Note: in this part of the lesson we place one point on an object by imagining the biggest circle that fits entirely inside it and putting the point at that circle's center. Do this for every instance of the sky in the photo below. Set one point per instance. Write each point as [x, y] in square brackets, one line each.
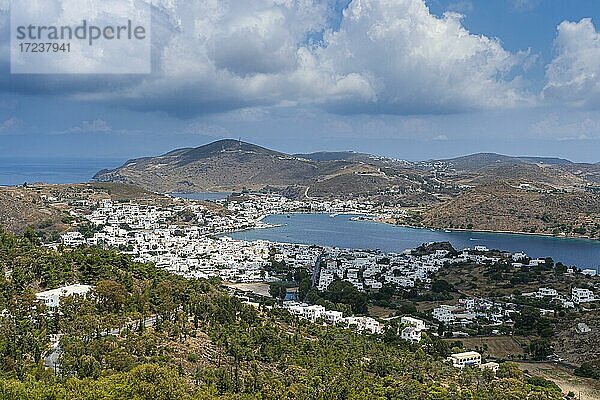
[410, 79]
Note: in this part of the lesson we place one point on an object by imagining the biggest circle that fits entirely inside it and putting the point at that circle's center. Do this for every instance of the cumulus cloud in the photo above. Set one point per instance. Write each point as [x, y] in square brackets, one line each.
[8, 124]
[95, 126]
[117, 56]
[217, 56]
[395, 57]
[573, 76]
[413, 62]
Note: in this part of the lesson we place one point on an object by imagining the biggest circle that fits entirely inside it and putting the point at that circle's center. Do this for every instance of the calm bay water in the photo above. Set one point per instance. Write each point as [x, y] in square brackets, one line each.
[16, 171]
[321, 229]
[340, 231]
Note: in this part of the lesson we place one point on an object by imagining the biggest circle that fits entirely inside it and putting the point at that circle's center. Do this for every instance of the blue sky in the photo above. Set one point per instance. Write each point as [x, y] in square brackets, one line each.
[401, 78]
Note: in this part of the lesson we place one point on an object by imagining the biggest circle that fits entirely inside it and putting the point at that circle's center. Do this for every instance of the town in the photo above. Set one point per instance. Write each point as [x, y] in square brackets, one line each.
[189, 238]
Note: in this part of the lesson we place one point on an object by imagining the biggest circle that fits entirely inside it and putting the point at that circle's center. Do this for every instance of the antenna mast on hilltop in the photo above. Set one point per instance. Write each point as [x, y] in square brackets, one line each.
[240, 143]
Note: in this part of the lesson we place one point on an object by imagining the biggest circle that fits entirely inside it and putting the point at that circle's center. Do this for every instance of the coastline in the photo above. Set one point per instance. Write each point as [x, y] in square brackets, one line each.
[582, 252]
[374, 218]
[377, 218]
[582, 237]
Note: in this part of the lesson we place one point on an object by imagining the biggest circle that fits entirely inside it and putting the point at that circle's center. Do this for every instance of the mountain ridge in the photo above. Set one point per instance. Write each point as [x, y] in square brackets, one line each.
[232, 164]
[484, 159]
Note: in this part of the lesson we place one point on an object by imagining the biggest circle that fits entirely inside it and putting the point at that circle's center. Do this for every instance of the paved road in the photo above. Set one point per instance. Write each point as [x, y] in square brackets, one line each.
[317, 270]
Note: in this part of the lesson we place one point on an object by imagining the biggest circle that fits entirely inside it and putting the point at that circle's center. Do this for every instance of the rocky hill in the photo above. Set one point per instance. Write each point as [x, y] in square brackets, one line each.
[230, 165]
[481, 191]
[46, 207]
[537, 175]
[502, 207]
[538, 172]
[354, 156]
[474, 162]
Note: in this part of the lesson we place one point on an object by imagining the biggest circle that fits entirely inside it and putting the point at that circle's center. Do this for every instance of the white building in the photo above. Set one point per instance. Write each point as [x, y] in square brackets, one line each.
[361, 324]
[447, 313]
[492, 366]
[469, 304]
[411, 334]
[414, 322]
[332, 317]
[468, 358]
[51, 298]
[444, 313]
[579, 295]
[537, 262]
[547, 292]
[72, 239]
[583, 328]
[312, 313]
[325, 279]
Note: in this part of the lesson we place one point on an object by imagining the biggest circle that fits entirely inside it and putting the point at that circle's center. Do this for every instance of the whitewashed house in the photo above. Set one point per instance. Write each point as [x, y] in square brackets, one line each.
[51, 298]
[411, 334]
[414, 322]
[579, 296]
[468, 358]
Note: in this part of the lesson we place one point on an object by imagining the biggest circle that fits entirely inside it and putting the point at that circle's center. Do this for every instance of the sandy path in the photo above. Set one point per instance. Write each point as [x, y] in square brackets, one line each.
[588, 389]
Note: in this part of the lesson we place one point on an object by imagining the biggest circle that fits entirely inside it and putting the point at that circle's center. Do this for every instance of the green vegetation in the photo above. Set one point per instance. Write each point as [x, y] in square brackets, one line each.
[147, 334]
[509, 370]
[589, 370]
[497, 205]
[278, 290]
[550, 332]
[339, 294]
[530, 322]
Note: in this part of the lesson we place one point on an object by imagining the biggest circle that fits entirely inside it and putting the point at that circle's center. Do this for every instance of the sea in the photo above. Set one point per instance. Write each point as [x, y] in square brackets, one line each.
[341, 231]
[322, 229]
[16, 171]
